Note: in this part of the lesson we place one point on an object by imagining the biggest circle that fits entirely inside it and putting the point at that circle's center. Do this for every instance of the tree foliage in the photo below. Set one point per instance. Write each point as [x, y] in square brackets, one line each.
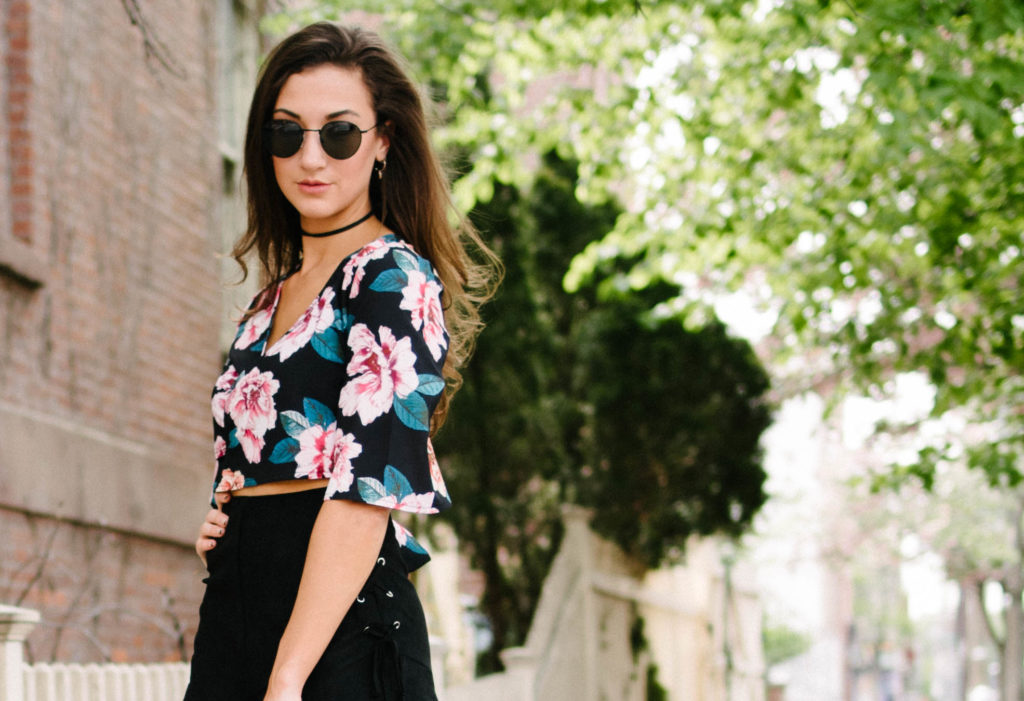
[582, 398]
[512, 438]
[676, 419]
[855, 167]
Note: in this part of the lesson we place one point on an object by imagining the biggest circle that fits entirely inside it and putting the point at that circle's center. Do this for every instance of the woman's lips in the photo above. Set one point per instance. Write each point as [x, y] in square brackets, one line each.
[313, 187]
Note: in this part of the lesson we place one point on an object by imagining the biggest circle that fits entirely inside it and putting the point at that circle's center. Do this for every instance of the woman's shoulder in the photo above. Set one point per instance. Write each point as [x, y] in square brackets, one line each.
[383, 263]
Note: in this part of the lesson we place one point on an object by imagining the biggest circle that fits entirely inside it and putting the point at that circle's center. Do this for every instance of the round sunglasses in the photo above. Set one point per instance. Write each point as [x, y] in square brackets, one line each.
[339, 140]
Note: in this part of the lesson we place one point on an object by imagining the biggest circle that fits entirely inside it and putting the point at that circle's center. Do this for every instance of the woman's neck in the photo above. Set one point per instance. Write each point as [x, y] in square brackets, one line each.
[331, 250]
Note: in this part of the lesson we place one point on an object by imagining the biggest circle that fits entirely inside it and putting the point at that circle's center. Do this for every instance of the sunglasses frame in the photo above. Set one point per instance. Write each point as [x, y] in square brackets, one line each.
[277, 125]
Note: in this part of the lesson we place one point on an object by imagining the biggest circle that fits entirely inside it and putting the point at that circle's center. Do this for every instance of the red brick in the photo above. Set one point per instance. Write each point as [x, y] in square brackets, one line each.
[122, 220]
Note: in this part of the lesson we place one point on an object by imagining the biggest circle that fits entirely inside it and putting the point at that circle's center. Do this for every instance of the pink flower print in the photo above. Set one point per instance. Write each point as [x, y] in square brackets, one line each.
[257, 324]
[324, 452]
[345, 450]
[224, 385]
[316, 446]
[252, 444]
[412, 502]
[220, 447]
[422, 297]
[219, 405]
[402, 533]
[377, 373]
[319, 315]
[251, 407]
[355, 268]
[251, 403]
[418, 503]
[230, 480]
[227, 379]
[436, 480]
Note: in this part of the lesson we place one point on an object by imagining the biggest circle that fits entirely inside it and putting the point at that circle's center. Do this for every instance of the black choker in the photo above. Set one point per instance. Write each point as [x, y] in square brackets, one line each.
[353, 225]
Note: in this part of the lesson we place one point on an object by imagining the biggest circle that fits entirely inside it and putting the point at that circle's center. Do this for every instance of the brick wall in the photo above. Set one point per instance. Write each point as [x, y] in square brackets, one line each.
[103, 595]
[110, 181]
[19, 148]
[124, 186]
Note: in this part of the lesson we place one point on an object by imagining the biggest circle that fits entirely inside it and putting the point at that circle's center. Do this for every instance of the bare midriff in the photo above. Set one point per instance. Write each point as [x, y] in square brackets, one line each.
[282, 487]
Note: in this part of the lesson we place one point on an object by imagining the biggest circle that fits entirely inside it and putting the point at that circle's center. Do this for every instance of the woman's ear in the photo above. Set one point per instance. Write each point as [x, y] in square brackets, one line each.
[384, 136]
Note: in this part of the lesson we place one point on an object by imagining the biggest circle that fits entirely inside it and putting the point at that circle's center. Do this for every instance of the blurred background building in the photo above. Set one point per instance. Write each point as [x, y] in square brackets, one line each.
[119, 152]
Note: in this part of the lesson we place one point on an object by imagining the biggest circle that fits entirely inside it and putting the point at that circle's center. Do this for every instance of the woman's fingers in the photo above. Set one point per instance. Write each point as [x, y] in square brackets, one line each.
[202, 545]
[212, 528]
[216, 517]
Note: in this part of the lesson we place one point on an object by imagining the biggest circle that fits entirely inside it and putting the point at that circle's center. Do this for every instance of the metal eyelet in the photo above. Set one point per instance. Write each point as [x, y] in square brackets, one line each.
[398, 624]
[389, 595]
[360, 599]
[381, 561]
[366, 629]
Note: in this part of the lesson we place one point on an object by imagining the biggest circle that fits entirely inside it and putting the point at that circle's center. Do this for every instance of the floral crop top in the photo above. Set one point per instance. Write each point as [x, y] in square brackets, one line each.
[346, 393]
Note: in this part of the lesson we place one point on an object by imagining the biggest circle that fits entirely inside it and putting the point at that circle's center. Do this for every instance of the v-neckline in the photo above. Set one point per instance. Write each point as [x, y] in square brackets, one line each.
[268, 348]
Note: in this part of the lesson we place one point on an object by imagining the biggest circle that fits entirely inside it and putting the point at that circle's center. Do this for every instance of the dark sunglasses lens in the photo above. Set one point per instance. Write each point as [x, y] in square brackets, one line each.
[285, 139]
[340, 139]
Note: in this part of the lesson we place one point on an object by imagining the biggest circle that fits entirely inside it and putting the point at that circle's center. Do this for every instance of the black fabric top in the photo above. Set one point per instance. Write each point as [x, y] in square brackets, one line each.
[346, 393]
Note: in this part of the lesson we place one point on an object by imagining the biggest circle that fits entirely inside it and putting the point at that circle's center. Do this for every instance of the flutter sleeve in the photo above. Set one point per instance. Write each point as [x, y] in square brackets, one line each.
[396, 345]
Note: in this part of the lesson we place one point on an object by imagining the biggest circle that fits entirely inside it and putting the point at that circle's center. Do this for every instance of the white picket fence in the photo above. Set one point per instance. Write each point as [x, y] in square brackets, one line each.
[109, 682]
[20, 681]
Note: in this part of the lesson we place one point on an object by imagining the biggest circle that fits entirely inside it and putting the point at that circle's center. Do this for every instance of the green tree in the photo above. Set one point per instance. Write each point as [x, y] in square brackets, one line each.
[859, 161]
[535, 425]
[854, 165]
[675, 417]
[512, 440]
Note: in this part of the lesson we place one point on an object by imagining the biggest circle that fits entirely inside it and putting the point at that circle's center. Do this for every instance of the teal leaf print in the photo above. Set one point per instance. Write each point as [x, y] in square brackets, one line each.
[285, 451]
[430, 385]
[233, 439]
[396, 483]
[414, 545]
[390, 281]
[371, 491]
[317, 412]
[412, 411]
[327, 344]
[406, 261]
[249, 482]
[294, 423]
[342, 320]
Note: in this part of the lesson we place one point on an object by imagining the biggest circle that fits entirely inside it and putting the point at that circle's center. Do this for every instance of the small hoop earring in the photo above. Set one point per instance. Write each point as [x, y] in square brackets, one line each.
[379, 166]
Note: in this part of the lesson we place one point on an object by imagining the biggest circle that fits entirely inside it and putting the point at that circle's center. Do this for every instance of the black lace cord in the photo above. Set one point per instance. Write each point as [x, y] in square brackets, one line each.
[387, 662]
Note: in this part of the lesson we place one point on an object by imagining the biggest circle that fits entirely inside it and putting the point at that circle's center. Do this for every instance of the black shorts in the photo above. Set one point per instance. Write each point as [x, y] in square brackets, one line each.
[380, 650]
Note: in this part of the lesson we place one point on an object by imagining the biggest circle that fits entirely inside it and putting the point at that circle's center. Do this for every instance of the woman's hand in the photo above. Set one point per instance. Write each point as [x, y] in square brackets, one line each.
[213, 527]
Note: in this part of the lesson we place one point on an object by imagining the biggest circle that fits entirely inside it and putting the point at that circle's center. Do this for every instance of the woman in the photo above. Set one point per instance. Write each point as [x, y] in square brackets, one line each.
[341, 368]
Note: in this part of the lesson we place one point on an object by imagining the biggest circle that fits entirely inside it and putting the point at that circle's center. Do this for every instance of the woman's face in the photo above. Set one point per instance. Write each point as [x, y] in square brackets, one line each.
[328, 193]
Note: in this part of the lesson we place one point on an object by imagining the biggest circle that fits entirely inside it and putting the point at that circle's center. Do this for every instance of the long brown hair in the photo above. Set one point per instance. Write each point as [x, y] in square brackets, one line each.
[413, 198]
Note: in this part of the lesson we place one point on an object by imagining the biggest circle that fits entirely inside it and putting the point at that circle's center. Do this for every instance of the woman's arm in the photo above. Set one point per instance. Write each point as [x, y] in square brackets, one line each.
[331, 580]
